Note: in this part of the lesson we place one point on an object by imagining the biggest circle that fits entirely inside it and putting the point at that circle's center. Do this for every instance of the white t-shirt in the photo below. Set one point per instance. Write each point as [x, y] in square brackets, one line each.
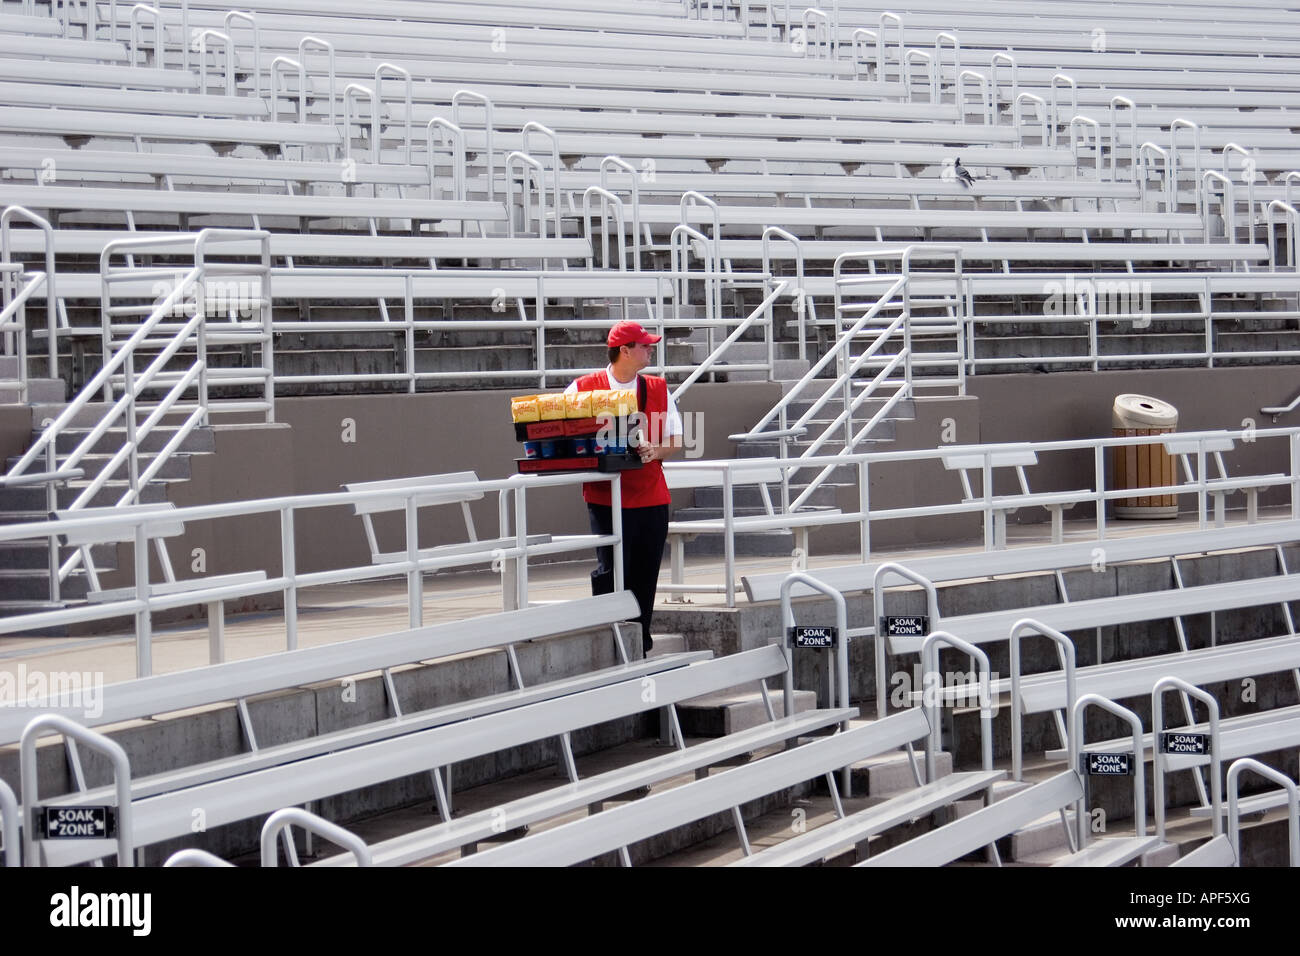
[672, 426]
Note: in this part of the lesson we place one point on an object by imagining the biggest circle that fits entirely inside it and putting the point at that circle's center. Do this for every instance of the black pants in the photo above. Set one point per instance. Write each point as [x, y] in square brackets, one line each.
[645, 530]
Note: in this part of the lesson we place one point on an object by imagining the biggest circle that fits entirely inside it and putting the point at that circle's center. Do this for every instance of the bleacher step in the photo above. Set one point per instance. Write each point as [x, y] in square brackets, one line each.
[715, 715]
[888, 774]
[667, 644]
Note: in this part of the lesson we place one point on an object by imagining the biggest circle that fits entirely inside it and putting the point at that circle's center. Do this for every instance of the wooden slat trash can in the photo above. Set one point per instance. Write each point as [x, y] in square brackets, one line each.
[1143, 466]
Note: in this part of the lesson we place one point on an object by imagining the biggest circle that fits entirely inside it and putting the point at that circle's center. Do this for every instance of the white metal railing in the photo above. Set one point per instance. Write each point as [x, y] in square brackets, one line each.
[510, 560]
[9, 278]
[762, 311]
[159, 333]
[858, 469]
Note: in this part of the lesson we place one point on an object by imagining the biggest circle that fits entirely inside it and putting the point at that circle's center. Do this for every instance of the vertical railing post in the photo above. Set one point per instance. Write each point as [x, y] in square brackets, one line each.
[289, 571]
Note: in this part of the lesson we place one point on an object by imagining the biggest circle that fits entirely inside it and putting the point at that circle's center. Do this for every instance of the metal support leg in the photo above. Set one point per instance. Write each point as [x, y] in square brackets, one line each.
[217, 632]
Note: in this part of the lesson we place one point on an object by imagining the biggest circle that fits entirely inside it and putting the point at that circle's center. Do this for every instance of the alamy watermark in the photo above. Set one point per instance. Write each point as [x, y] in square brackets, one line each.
[1099, 298]
[75, 690]
[215, 298]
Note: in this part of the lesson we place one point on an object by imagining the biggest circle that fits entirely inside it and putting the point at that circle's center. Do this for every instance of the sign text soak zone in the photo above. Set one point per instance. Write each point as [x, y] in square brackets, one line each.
[76, 823]
[814, 636]
[1108, 765]
[917, 625]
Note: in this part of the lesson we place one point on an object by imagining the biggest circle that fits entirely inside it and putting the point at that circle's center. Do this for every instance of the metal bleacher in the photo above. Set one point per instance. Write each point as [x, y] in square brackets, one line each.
[370, 177]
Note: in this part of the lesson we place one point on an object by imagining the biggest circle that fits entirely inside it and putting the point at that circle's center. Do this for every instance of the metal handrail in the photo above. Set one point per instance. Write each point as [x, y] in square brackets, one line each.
[756, 433]
[1150, 148]
[459, 170]
[1292, 233]
[121, 779]
[994, 60]
[251, 20]
[17, 327]
[546, 131]
[1292, 799]
[524, 160]
[328, 47]
[1228, 205]
[928, 58]
[878, 609]
[1077, 137]
[289, 63]
[986, 94]
[1026, 627]
[366, 91]
[9, 825]
[713, 357]
[617, 162]
[679, 250]
[608, 200]
[1076, 749]
[281, 820]
[801, 297]
[489, 156]
[1174, 127]
[403, 73]
[1115, 103]
[931, 697]
[1159, 759]
[201, 42]
[882, 46]
[1074, 102]
[840, 679]
[51, 287]
[159, 34]
[1042, 114]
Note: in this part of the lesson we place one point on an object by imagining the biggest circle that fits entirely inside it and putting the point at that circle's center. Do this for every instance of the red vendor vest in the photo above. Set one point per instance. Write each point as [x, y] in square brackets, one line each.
[643, 487]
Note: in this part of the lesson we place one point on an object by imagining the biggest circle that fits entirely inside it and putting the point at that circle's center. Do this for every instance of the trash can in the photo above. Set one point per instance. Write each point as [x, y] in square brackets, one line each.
[1143, 466]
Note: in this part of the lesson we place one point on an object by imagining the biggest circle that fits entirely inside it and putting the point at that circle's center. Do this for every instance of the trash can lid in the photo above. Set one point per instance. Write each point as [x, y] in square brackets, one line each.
[1143, 411]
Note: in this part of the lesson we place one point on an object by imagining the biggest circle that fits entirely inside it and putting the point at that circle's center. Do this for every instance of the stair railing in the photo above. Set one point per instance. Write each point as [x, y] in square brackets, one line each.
[122, 360]
[8, 280]
[713, 358]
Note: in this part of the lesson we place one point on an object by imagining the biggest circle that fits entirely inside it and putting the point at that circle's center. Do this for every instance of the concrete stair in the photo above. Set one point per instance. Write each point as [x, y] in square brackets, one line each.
[24, 566]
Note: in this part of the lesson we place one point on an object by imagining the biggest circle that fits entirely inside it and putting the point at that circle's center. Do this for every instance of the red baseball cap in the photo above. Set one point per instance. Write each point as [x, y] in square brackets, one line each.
[630, 333]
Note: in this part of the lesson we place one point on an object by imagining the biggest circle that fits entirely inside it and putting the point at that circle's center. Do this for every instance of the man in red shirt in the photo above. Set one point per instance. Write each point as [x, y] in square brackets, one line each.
[645, 492]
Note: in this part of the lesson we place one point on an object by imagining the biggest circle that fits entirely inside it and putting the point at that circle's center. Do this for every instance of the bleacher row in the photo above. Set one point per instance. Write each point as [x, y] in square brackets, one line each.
[782, 751]
[491, 150]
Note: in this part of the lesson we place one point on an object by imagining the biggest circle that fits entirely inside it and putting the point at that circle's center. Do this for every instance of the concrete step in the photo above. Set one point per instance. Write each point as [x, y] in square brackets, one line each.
[726, 712]
[197, 441]
[34, 585]
[667, 644]
[889, 774]
[34, 555]
[178, 466]
[32, 501]
[39, 390]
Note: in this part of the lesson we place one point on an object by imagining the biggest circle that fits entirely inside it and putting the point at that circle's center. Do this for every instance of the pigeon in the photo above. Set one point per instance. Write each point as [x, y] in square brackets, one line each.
[962, 173]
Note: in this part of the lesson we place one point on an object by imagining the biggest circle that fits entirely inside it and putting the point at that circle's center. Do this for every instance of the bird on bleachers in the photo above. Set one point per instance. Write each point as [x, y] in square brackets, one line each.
[962, 173]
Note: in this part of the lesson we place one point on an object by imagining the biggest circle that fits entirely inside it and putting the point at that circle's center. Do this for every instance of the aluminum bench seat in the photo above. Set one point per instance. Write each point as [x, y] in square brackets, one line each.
[13, 67]
[168, 815]
[130, 101]
[997, 250]
[1261, 803]
[75, 122]
[979, 564]
[871, 218]
[1110, 851]
[1215, 852]
[838, 836]
[1244, 736]
[194, 202]
[618, 827]
[165, 693]
[61, 48]
[222, 168]
[967, 834]
[303, 284]
[466, 831]
[1122, 609]
[324, 245]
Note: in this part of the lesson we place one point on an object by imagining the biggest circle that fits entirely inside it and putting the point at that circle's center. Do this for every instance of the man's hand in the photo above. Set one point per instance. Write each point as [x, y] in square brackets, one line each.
[650, 452]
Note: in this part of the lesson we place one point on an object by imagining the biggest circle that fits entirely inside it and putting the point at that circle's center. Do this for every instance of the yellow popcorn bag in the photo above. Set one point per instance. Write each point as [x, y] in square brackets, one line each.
[625, 401]
[551, 407]
[604, 402]
[524, 409]
[577, 405]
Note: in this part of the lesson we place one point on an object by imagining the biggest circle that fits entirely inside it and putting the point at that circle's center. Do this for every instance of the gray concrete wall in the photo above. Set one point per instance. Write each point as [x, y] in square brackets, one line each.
[1069, 405]
[329, 441]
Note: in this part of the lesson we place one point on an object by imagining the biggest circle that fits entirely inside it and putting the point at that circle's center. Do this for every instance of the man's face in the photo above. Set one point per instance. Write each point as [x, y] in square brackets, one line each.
[641, 356]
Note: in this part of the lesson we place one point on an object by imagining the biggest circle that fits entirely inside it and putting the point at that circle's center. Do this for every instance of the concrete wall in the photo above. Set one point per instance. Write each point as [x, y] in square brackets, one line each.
[1069, 405]
[322, 443]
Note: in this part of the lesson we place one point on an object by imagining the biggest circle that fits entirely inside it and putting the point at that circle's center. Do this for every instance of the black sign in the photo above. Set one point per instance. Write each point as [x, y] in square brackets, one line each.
[1108, 765]
[805, 636]
[1177, 742]
[76, 823]
[915, 626]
